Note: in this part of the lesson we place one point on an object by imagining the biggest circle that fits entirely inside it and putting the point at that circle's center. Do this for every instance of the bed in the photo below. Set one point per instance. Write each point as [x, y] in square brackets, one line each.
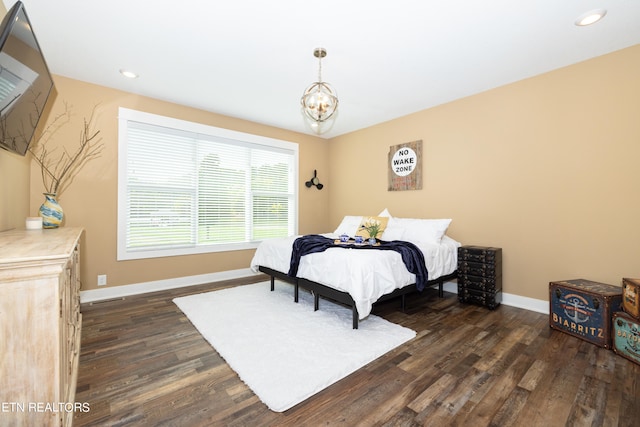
[359, 277]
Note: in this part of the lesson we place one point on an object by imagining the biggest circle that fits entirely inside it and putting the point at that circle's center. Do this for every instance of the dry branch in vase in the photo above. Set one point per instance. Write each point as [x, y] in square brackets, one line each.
[59, 169]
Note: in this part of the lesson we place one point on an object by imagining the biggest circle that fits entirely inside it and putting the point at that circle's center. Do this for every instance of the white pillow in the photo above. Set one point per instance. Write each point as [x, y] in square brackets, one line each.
[349, 225]
[423, 230]
[385, 212]
[394, 230]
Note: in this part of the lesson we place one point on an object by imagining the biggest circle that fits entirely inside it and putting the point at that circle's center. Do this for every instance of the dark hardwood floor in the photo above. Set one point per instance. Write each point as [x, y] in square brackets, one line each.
[143, 363]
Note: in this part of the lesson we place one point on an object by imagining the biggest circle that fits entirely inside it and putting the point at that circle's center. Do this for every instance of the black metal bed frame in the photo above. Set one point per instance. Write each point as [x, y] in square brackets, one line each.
[319, 290]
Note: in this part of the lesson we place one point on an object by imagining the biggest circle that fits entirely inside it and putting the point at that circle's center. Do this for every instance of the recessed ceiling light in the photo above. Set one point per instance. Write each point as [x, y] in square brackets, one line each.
[590, 17]
[129, 74]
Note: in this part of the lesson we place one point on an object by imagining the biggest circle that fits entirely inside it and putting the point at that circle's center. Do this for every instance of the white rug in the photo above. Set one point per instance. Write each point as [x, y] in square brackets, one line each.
[285, 352]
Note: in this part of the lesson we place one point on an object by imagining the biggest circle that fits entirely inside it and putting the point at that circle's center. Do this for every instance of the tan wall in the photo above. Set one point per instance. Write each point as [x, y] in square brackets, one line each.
[14, 190]
[91, 200]
[546, 168]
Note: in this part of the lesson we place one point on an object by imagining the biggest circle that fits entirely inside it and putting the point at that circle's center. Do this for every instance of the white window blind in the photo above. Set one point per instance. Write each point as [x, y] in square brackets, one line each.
[189, 188]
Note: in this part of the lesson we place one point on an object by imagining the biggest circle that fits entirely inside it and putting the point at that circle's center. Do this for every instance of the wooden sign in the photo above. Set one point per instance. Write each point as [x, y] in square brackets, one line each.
[405, 166]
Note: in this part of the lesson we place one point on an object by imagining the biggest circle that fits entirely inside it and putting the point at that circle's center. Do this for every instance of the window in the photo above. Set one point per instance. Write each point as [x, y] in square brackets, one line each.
[186, 188]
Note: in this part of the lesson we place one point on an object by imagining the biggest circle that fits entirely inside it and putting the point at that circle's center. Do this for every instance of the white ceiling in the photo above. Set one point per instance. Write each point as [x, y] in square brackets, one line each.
[252, 59]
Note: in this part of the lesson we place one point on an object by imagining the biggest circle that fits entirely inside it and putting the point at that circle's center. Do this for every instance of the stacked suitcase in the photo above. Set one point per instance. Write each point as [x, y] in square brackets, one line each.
[626, 323]
[480, 275]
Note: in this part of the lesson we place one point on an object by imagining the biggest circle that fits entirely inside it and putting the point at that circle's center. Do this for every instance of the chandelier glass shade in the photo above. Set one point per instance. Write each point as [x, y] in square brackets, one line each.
[319, 101]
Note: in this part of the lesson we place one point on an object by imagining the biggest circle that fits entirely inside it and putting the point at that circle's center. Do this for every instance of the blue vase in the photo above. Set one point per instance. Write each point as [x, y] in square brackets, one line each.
[51, 212]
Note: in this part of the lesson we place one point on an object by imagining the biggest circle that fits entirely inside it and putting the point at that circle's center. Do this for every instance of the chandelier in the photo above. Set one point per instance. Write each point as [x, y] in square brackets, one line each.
[319, 101]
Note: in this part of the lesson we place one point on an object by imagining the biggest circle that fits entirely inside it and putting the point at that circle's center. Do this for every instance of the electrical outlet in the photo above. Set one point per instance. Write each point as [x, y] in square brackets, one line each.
[102, 279]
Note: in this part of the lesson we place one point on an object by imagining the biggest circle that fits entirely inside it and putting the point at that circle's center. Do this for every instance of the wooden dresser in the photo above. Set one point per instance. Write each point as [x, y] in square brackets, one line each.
[40, 325]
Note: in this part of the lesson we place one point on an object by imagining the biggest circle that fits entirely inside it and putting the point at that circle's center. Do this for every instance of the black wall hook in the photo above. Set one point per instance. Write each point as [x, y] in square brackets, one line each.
[314, 181]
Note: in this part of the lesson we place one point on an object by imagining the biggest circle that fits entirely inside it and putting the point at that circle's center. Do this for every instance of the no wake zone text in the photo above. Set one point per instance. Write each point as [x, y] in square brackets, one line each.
[403, 164]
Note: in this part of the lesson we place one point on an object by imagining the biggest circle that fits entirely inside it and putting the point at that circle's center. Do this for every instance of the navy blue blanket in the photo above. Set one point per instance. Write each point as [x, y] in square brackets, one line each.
[411, 254]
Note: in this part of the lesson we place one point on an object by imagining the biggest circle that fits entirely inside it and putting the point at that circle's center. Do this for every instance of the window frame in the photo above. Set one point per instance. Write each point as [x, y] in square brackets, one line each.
[125, 116]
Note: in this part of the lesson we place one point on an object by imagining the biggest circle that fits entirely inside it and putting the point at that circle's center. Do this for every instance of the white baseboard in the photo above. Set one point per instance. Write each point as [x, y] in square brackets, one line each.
[531, 304]
[451, 287]
[115, 292]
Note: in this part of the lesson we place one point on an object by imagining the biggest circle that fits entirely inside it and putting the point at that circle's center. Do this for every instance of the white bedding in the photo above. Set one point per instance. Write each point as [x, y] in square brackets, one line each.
[365, 274]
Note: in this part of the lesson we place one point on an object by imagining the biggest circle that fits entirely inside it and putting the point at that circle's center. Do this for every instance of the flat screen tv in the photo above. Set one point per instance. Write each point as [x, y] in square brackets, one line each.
[25, 81]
